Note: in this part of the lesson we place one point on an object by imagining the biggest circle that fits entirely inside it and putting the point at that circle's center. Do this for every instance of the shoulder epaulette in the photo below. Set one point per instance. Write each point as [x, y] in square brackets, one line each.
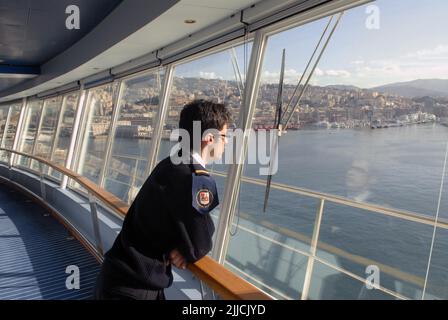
[201, 172]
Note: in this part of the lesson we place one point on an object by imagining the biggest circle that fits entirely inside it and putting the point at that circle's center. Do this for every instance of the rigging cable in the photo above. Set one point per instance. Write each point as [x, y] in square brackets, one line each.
[312, 70]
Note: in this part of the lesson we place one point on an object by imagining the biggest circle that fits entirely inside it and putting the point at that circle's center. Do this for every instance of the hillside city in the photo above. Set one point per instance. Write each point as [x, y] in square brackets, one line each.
[320, 107]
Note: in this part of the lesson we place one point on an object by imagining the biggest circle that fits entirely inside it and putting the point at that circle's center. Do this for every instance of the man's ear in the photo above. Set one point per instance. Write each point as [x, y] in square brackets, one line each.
[208, 139]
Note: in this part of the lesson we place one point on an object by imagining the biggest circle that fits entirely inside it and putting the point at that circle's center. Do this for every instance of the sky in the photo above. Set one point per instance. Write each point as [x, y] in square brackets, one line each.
[382, 42]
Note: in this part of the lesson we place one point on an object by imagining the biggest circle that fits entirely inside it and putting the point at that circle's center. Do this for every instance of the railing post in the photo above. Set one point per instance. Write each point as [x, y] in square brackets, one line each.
[313, 250]
[96, 227]
[42, 181]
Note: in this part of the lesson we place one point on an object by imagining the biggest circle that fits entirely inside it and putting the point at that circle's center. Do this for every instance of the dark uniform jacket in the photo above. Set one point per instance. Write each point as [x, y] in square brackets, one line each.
[171, 211]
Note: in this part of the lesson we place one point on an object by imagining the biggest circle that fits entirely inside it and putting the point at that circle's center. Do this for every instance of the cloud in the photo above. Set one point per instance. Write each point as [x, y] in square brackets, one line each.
[358, 62]
[208, 75]
[338, 73]
[439, 52]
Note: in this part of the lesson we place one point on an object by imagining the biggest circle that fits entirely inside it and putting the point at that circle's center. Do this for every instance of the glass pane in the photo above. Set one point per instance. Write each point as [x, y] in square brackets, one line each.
[47, 128]
[64, 131]
[356, 239]
[219, 77]
[11, 128]
[138, 108]
[329, 284]
[4, 110]
[96, 130]
[31, 122]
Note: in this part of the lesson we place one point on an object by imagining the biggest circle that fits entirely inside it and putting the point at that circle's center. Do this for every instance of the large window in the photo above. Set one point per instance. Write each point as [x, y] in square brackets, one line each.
[64, 131]
[28, 135]
[47, 129]
[137, 111]
[4, 110]
[96, 131]
[219, 77]
[10, 129]
[368, 130]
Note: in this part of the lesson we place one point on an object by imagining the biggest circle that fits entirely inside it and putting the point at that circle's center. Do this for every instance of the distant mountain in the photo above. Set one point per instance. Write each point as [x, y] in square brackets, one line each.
[417, 88]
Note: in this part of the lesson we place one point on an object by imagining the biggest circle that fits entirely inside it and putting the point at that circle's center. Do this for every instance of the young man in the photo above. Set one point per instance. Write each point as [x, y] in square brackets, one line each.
[169, 221]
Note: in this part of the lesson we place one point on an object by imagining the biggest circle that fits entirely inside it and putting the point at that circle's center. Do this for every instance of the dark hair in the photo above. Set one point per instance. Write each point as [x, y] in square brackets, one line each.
[212, 116]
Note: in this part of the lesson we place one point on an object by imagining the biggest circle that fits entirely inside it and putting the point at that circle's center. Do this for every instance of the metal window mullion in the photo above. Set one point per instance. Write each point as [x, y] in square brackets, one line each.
[161, 115]
[19, 129]
[235, 171]
[69, 161]
[313, 250]
[113, 126]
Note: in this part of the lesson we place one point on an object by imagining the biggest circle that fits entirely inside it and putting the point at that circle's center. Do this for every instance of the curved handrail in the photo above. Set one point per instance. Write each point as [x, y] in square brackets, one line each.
[226, 284]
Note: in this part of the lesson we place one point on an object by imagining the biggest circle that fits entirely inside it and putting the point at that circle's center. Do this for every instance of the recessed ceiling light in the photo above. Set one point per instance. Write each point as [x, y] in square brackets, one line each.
[190, 21]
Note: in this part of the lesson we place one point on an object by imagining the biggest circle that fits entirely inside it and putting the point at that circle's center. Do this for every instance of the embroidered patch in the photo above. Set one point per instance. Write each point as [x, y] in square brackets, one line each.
[204, 198]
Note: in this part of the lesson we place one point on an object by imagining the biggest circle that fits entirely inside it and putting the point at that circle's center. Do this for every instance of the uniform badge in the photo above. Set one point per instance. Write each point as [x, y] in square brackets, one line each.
[204, 198]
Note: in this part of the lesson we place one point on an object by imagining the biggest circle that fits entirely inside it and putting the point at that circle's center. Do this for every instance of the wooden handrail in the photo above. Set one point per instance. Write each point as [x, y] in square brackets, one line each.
[225, 283]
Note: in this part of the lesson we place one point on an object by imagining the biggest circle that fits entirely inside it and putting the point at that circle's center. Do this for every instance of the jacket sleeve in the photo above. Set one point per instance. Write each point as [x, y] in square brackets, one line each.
[194, 229]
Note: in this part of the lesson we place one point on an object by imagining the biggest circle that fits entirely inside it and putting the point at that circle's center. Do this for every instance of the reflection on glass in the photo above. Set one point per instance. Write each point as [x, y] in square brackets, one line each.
[31, 122]
[64, 131]
[96, 130]
[138, 108]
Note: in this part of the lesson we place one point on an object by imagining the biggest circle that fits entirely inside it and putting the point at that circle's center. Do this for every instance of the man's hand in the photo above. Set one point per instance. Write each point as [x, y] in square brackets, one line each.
[177, 259]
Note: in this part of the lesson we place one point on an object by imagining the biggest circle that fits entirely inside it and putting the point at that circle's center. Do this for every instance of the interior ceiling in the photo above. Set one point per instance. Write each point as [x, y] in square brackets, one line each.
[31, 34]
[33, 31]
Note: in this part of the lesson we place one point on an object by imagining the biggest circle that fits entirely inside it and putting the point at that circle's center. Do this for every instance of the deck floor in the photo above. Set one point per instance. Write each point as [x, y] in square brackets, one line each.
[35, 250]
